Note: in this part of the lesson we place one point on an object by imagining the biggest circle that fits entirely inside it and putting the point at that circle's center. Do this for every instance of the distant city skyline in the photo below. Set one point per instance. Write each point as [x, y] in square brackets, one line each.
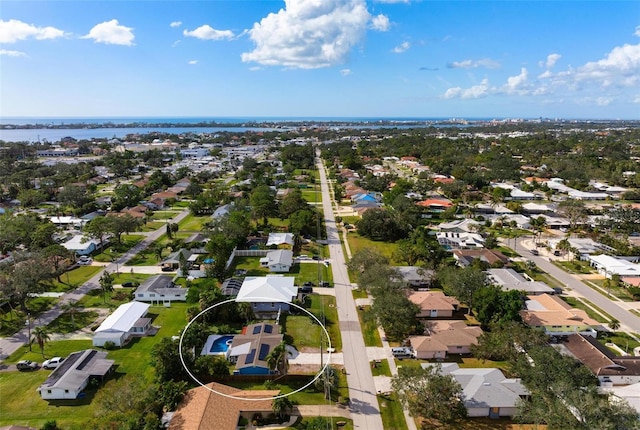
[320, 58]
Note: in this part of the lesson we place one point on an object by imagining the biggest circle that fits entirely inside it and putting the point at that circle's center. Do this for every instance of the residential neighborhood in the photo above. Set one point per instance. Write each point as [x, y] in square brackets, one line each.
[291, 276]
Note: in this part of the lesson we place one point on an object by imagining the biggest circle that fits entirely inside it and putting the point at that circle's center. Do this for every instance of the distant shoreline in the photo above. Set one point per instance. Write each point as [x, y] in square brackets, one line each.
[27, 123]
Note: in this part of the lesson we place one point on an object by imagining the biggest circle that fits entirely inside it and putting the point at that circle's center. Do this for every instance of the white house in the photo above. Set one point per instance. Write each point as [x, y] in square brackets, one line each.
[459, 226]
[160, 289]
[452, 240]
[280, 260]
[280, 239]
[268, 295]
[486, 391]
[610, 266]
[71, 377]
[81, 245]
[126, 321]
[509, 279]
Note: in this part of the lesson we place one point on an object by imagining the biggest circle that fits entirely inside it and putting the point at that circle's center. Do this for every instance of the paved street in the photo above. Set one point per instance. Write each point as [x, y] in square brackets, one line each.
[9, 345]
[362, 389]
[628, 320]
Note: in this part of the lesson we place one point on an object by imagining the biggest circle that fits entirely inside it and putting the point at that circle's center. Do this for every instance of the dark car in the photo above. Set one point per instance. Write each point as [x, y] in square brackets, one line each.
[130, 284]
[309, 284]
[26, 365]
[316, 257]
[306, 289]
[325, 284]
[168, 269]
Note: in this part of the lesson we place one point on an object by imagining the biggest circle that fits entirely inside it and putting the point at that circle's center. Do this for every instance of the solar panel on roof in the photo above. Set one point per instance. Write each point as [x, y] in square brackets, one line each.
[268, 328]
[264, 351]
[250, 357]
[256, 329]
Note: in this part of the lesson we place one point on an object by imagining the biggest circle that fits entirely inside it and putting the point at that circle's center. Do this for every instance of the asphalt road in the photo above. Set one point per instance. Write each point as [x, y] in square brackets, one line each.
[8, 345]
[628, 321]
[362, 390]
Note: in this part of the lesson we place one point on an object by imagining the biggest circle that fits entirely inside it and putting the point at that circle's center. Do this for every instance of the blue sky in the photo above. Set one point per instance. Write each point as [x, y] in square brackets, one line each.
[320, 58]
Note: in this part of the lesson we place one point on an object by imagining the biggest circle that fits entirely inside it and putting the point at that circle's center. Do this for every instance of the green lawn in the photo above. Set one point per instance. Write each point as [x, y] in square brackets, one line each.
[357, 242]
[65, 323]
[391, 412]
[311, 195]
[277, 222]
[617, 291]
[115, 250]
[308, 272]
[165, 215]
[75, 278]
[193, 223]
[623, 340]
[380, 368]
[21, 404]
[369, 328]
[359, 293]
[306, 333]
[152, 226]
[96, 299]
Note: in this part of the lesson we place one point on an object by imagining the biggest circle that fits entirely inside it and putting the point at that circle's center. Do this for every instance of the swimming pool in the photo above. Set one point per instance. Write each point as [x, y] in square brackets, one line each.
[220, 345]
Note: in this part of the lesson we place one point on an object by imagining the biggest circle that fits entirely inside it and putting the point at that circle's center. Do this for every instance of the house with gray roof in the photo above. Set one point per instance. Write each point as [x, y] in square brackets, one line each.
[160, 289]
[72, 376]
[280, 260]
[486, 391]
[509, 279]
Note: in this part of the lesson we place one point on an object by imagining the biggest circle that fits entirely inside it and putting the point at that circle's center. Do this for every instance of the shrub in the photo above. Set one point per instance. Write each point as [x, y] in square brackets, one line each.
[109, 345]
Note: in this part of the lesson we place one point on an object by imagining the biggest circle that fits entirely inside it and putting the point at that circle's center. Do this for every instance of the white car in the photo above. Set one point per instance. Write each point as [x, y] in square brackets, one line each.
[84, 261]
[52, 363]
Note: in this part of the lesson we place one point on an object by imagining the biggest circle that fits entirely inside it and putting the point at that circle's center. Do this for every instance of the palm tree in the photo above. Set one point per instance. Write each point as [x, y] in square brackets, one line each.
[72, 307]
[281, 406]
[277, 358]
[327, 381]
[106, 284]
[41, 336]
[614, 324]
[157, 252]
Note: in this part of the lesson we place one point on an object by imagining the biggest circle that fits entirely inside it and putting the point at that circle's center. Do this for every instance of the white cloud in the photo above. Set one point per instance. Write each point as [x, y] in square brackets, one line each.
[345, 72]
[176, 43]
[604, 101]
[402, 47]
[175, 24]
[308, 34]
[9, 53]
[475, 92]
[13, 30]
[111, 33]
[620, 68]
[551, 61]
[380, 23]
[193, 62]
[474, 64]
[517, 84]
[637, 32]
[637, 100]
[206, 32]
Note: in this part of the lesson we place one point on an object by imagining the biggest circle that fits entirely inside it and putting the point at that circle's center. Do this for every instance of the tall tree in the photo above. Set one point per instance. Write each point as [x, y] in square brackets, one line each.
[429, 394]
[98, 228]
[462, 283]
[41, 336]
[106, 284]
[277, 358]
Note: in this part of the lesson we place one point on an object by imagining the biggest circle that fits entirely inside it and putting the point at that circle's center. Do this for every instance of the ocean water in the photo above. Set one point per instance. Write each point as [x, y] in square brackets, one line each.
[41, 128]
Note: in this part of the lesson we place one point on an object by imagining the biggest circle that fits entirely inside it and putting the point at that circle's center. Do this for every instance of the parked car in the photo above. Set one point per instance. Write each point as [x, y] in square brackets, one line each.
[325, 284]
[52, 363]
[534, 252]
[26, 365]
[85, 261]
[316, 257]
[167, 269]
[309, 284]
[306, 290]
[401, 352]
[130, 284]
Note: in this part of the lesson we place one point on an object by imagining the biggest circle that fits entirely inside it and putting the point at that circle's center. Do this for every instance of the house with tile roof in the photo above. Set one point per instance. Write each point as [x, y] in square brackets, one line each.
[556, 317]
[220, 407]
[609, 368]
[486, 391]
[434, 304]
[444, 338]
[465, 257]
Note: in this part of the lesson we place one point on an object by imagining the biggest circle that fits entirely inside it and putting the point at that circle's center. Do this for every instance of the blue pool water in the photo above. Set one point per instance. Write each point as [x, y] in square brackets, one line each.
[221, 344]
[208, 260]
